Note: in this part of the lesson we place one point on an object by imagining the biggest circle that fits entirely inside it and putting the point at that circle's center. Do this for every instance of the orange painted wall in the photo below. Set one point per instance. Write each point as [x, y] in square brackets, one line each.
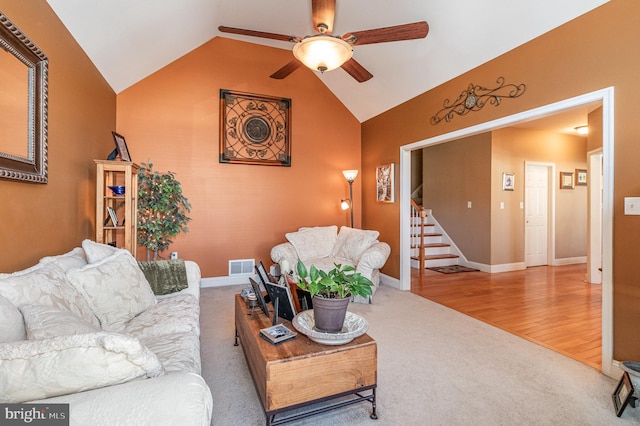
[241, 211]
[38, 220]
[589, 53]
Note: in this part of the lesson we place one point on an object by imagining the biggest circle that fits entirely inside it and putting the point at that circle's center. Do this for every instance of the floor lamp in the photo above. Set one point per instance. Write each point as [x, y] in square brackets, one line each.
[350, 176]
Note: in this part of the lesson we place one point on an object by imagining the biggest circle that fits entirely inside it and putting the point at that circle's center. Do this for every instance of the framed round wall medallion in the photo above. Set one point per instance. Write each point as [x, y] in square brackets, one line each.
[254, 129]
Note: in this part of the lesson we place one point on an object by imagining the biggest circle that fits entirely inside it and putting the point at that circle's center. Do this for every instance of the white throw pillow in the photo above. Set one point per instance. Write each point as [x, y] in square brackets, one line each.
[45, 284]
[95, 252]
[37, 369]
[115, 289]
[11, 323]
[313, 242]
[353, 242]
[44, 322]
[73, 259]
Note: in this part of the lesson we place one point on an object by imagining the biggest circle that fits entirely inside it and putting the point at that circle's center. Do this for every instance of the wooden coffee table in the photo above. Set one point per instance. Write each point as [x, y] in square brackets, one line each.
[299, 372]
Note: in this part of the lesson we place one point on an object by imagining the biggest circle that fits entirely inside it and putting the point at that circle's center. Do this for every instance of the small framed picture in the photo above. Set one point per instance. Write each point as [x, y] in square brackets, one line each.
[623, 394]
[121, 146]
[508, 181]
[262, 273]
[581, 177]
[566, 180]
[385, 187]
[258, 292]
[282, 299]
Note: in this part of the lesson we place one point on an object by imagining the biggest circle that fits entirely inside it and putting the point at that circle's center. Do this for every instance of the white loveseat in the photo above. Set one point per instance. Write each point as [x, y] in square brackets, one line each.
[323, 246]
[85, 328]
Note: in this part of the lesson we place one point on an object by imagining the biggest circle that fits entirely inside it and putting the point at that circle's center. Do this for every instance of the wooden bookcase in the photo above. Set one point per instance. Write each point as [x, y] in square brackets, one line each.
[124, 234]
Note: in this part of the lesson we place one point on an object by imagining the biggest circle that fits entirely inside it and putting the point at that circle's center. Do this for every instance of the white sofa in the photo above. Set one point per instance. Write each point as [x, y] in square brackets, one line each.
[323, 246]
[85, 328]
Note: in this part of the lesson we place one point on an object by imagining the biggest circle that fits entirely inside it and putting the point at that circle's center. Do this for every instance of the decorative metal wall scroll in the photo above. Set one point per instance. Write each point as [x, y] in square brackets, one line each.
[254, 129]
[475, 97]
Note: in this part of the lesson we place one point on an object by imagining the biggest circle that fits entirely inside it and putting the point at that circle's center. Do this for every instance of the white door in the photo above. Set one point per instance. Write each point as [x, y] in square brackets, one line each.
[536, 214]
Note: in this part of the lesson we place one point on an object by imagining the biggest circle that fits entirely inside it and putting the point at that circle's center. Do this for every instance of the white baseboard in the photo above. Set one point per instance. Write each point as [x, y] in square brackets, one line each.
[390, 281]
[227, 280]
[504, 267]
[570, 260]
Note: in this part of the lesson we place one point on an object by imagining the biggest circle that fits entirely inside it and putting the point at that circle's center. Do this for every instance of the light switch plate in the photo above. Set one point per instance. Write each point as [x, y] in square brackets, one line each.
[632, 205]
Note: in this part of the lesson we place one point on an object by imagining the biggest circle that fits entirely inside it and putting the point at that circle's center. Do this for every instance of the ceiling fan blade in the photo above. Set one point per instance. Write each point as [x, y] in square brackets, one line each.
[286, 70]
[356, 70]
[253, 33]
[323, 12]
[382, 35]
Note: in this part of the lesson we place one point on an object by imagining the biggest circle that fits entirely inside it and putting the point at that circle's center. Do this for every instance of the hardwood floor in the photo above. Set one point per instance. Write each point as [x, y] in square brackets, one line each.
[551, 306]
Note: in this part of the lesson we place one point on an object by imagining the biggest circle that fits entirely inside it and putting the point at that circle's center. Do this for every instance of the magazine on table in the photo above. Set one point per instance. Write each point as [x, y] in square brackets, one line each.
[277, 333]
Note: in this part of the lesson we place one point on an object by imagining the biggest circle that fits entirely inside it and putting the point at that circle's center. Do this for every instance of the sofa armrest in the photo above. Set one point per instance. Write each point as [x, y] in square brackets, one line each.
[285, 255]
[373, 258]
[193, 279]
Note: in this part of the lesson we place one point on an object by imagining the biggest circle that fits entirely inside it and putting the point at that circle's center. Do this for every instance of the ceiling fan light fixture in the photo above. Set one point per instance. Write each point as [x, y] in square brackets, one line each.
[322, 52]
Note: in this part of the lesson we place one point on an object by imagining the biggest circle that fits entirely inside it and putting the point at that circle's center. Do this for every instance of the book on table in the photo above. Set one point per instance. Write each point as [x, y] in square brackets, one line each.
[277, 333]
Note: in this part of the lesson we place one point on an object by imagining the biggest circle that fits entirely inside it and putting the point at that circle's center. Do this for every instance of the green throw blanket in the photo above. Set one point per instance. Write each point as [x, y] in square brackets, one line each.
[165, 276]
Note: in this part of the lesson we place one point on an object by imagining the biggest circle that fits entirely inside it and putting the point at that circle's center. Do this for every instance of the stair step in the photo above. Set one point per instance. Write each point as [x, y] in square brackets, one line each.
[426, 234]
[432, 261]
[441, 256]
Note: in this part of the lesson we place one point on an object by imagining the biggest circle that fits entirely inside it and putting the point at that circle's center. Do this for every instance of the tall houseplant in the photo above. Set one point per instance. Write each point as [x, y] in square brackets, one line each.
[162, 209]
[331, 292]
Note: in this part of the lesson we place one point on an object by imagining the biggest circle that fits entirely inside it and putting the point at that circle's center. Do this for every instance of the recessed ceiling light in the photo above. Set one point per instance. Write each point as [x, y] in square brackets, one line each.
[582, 130]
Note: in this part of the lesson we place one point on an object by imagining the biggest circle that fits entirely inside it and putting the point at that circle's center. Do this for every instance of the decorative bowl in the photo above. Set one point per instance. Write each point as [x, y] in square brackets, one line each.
[354, 326]
[117, 190]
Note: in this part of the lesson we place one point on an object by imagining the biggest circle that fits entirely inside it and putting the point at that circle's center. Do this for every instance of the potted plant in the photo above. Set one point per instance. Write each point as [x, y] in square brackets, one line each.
[331, 292]
[162, 209]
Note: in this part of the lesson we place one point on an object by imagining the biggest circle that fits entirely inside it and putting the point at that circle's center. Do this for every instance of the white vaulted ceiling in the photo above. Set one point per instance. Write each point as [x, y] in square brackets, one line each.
[129, 39]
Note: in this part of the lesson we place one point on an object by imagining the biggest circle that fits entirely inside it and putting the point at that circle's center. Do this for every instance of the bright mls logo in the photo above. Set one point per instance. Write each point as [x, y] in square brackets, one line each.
[34, 414]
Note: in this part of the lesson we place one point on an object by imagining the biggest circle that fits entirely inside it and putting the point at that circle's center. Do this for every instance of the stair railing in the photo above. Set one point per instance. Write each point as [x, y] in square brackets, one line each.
[418, 214]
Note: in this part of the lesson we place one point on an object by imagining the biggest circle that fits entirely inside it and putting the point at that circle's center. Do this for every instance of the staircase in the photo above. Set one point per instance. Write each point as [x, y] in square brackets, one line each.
[429, 247]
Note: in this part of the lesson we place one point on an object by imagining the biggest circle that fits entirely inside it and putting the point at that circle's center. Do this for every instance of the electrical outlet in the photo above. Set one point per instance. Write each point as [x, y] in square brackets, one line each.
[174, 255]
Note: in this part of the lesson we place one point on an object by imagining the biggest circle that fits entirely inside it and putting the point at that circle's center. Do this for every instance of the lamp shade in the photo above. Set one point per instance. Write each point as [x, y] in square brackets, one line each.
[345, 204]
[322, 52]
[350, 175]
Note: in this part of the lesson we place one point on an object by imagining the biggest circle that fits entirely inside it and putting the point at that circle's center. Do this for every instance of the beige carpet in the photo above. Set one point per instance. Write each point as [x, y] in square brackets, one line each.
[435, 367]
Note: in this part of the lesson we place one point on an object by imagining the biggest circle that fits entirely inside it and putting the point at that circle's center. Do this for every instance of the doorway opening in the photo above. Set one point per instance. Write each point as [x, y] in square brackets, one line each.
[605, 97]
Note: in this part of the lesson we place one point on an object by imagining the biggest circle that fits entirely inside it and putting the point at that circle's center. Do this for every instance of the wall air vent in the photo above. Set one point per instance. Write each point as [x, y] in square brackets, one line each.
[241, 267]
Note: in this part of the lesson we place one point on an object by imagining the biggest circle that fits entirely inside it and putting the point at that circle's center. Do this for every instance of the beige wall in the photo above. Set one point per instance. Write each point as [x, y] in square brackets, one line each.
[589, 53]
[512, 147]
[470, 169]
[241, 211]
[36, 219]
[455, 173]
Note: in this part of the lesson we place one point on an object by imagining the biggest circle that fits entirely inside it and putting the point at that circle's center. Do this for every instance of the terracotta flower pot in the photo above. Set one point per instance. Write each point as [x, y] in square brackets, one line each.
[329, 314]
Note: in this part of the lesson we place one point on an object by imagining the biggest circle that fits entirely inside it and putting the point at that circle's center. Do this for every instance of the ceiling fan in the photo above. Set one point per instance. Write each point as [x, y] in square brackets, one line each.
[324, 51]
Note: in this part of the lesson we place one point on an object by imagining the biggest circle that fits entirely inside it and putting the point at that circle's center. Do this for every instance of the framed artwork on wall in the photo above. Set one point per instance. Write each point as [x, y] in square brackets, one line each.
[385, 186]
[508, 181]
[566, 180]
[581, 177]
[255, 129]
